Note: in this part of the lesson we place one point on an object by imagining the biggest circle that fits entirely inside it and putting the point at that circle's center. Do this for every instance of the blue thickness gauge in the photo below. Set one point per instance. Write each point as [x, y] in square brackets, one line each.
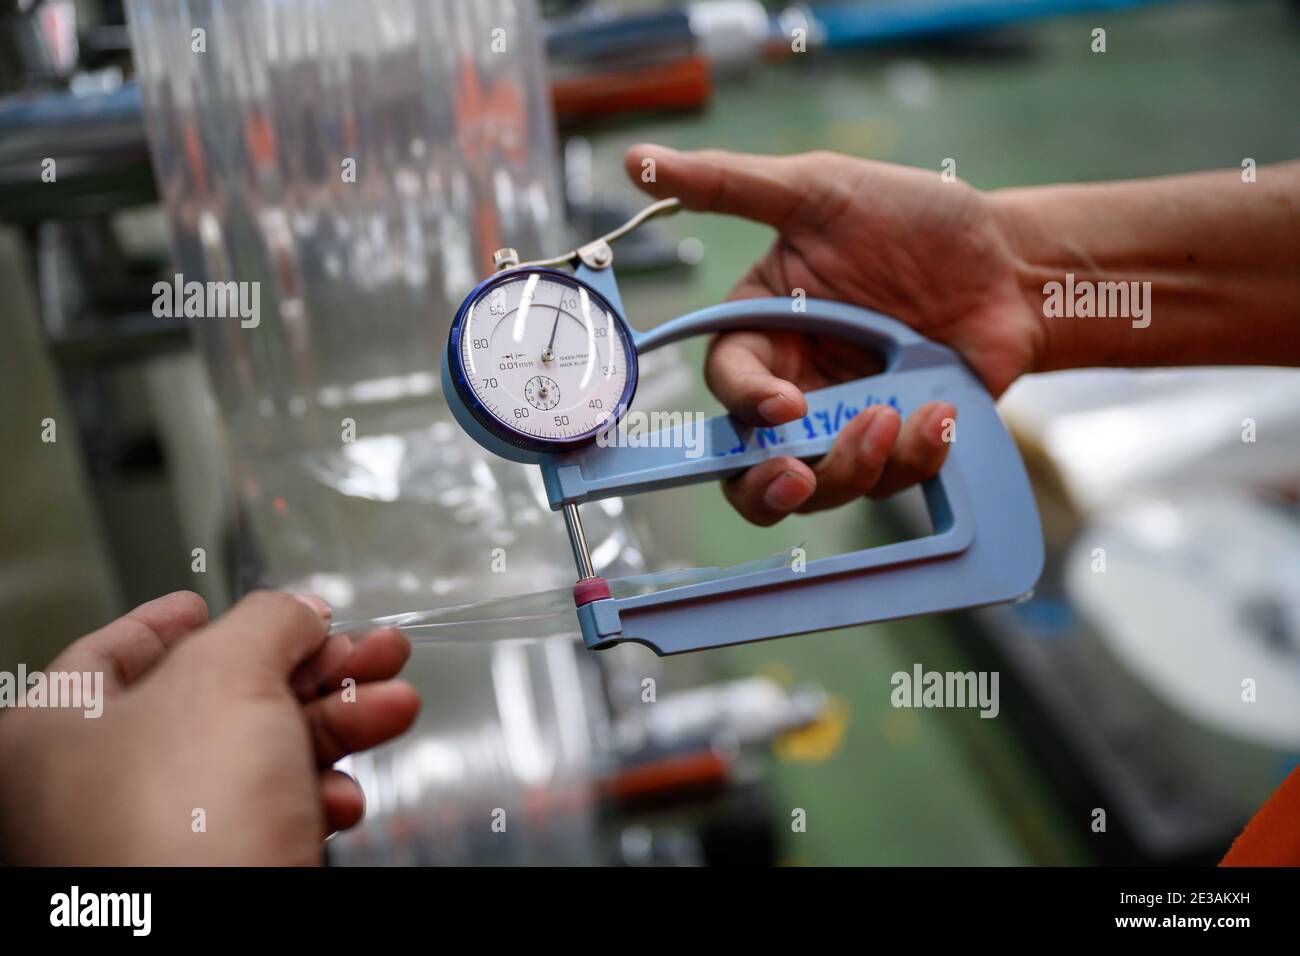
[542, 362]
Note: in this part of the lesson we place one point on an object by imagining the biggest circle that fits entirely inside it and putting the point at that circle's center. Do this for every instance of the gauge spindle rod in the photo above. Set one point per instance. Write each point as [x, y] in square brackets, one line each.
[578, 541]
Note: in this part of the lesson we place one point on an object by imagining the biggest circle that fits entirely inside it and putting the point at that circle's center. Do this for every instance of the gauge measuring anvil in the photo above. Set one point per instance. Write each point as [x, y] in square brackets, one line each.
[541, 362]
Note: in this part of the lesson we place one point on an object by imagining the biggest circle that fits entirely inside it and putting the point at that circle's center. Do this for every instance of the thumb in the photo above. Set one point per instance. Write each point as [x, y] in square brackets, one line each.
[127, 648]
[269, 628]
[776, 190]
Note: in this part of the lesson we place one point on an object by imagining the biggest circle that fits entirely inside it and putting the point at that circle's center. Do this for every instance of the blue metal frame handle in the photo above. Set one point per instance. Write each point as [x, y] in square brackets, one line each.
[729, 447]
[986, 543]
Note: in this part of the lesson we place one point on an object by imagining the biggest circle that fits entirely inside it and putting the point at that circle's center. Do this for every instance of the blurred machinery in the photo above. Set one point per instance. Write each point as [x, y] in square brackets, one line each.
[1158, 667]
[1154, 672]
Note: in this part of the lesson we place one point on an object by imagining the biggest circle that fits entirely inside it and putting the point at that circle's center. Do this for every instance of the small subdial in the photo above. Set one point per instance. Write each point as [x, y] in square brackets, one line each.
[542, 393]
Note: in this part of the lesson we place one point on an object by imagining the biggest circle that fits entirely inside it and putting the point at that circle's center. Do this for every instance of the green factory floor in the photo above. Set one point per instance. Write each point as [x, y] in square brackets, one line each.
[1181, 87]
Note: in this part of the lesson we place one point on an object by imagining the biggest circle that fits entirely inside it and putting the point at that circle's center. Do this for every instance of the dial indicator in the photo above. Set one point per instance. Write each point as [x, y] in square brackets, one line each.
[544, 362]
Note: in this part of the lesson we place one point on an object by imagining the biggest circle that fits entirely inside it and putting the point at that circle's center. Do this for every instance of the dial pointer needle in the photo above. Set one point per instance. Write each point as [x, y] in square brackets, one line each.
[548, 353]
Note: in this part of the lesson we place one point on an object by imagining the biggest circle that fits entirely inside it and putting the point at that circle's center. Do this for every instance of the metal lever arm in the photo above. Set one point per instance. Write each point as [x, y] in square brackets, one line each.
[595, 254]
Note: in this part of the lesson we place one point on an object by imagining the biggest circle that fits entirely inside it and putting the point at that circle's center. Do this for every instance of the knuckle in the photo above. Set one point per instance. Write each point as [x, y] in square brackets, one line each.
[922, 458]
[197, 604]
[266, 601]
[277, 605]
[200, 655]
[747, 503]
[874, 458]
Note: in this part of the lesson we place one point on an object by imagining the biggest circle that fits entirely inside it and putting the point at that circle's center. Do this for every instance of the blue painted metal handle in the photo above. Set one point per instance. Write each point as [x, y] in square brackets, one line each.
[985, 544]
[725, 446]
[891, 338]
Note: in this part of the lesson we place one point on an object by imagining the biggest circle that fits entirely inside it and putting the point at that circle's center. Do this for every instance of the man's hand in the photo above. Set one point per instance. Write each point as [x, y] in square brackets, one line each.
[215, 742]
[901, 241]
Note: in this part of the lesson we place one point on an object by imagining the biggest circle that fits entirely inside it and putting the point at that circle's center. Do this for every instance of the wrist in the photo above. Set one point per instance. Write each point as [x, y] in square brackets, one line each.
[1040, 255]
[1185, 270]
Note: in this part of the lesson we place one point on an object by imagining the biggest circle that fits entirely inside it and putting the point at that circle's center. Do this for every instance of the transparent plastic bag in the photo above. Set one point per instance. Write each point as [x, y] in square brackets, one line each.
[358, 163]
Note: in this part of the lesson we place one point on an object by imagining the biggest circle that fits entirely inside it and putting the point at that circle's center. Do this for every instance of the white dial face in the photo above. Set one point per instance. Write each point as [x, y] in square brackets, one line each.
[544, 357]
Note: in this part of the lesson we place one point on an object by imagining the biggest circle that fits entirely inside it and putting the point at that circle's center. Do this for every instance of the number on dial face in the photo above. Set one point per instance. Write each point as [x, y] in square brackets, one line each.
[544, 357]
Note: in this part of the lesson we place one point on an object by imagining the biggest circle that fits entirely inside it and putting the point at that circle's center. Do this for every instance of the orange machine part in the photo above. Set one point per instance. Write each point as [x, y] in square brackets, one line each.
[680, 85]
[1272, 837]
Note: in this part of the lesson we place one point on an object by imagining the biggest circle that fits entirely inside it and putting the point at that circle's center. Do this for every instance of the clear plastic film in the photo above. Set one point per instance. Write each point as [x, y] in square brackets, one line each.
[357, 164]
[354, 165]
[537, 615]
[508, 757]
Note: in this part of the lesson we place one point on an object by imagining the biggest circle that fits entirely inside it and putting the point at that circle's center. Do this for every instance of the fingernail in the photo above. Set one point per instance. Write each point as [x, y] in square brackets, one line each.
[317, 604]
[939, 417]
[777, 409]
[874, 436]
[786, 492]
